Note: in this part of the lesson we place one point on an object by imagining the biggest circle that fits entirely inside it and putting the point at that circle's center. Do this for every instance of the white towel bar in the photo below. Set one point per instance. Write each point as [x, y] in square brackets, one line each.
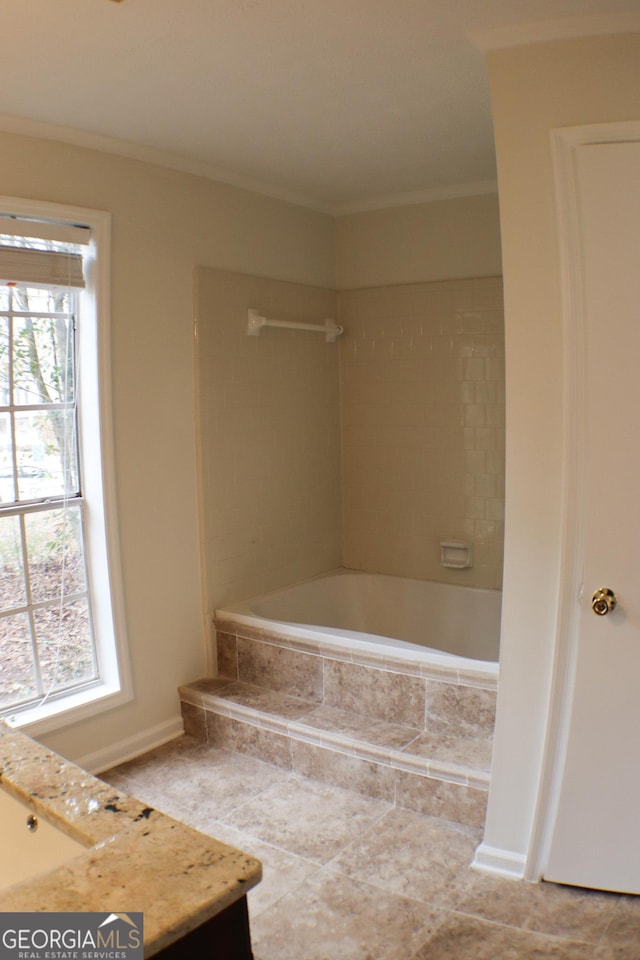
[330, 328]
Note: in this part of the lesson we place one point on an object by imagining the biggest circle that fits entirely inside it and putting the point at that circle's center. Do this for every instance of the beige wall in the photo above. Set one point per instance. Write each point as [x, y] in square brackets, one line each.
[164, 224]
[269, 410]
[422, 373]
[535, 89]
[440, 240]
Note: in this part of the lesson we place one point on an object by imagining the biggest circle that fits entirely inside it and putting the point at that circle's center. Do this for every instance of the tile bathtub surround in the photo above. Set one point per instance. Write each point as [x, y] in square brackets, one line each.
[452, 707]
[249, 738]
[440, 798]
[324, 751]
[366, 452]
[366, 777]
[422, 376]
[421, 743]
[380, 694]
[227, 646]
[233, 633]
[279, 668]
[268, 411]
[365, 684]
[393, 884]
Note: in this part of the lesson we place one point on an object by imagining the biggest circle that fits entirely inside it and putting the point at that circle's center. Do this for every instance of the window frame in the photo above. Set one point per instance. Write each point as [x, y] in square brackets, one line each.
[96, 447]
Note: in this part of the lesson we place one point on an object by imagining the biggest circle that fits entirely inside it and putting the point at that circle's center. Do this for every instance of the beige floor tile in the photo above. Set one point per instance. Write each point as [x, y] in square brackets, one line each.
[147, 777]
[621, 939]
[468, 938]
[310, 819]
[282, 872]
[117, 780]
[416, 856]
[542, 907]
[157, 798]
[155, 759]
[152, 792]
[203, 778]
[391, 877]
[621, 952]
[153, 796]
[331, 917]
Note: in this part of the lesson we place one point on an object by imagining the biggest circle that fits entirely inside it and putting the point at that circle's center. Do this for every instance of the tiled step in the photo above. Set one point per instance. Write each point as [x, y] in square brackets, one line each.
[443, 770]
[407, 691]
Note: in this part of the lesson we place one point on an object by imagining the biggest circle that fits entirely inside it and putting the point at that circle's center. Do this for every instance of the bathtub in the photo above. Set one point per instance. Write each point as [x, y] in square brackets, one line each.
[453, 628]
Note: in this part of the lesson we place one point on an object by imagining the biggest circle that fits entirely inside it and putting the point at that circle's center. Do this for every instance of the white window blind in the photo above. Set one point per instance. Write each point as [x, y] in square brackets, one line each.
[12, 226]
[40, 268]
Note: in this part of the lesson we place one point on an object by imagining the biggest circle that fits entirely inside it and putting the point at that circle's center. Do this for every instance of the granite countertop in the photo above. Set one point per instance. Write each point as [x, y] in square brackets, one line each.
[137, 859]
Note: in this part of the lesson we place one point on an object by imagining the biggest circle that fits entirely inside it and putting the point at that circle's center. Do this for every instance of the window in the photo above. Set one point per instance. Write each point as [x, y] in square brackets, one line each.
[62, 652]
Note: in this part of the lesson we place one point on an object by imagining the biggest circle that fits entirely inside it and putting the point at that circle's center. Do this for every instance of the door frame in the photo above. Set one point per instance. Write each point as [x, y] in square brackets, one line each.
[565, 142]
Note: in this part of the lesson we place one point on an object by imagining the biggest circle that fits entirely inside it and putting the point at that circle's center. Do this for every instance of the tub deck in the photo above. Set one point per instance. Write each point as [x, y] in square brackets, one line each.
[411, 731]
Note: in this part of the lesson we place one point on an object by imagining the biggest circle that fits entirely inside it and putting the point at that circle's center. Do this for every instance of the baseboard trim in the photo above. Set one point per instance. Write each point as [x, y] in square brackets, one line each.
[500, 863]
[132, 747]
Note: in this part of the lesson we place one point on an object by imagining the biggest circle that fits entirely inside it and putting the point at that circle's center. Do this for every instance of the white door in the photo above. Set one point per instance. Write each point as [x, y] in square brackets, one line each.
[596, 838]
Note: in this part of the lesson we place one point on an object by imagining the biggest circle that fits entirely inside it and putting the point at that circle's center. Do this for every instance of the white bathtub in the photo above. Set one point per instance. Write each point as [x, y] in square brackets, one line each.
[414, 619]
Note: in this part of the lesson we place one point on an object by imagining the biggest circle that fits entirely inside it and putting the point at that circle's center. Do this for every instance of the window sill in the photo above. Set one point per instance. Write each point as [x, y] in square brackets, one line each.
[74, 708]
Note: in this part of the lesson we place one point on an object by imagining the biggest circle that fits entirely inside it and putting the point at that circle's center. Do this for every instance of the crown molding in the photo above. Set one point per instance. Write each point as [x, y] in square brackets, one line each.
[543, 31]
[431, 195]
[40, 130]
[162, 158]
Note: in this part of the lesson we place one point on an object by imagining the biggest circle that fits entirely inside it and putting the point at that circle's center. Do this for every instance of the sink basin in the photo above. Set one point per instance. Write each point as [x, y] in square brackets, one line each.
[30, 844]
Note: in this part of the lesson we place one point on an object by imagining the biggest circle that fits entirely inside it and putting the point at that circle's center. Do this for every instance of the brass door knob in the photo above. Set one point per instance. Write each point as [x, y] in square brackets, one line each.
[603, 601]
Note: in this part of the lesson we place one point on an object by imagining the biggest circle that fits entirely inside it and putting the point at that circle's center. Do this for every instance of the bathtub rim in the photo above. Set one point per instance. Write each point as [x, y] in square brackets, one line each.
[355, 646]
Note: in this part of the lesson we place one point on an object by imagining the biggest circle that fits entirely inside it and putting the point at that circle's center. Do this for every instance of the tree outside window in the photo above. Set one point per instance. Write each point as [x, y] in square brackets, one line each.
[46, 633]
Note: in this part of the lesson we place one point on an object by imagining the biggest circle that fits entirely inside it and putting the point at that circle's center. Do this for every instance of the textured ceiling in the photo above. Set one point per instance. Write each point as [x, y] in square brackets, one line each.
[335, 103]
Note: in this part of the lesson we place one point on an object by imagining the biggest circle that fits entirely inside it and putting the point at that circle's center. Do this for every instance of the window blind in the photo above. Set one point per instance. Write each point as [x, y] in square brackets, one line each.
[40, 268]
[12, 226]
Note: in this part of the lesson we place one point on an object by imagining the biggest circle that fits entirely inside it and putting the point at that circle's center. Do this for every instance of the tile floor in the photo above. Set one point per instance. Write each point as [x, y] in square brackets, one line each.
[347, 877]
